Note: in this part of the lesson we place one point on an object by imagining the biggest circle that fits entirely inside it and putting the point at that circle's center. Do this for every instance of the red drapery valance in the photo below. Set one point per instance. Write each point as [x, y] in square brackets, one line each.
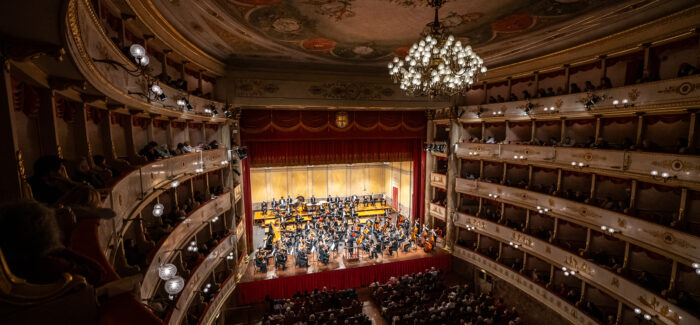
[268, 125]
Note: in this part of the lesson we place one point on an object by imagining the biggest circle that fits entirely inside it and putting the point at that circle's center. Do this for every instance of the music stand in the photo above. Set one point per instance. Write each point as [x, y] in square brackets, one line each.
[351, 254]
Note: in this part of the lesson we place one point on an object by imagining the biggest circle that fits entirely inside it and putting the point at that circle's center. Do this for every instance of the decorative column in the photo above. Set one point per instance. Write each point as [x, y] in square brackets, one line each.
[640, 130]
[452, 174]
[150, 130]
[130, 145]
[429, 162]
[13, 185]
[83, 145]
[532, 130]
[562, 136]
[691, 129]
[567, 77]
[647, 50]
[109, 131]
[187, 131]
[164, 65]
[510, 88]
[537, 85]
[169, 133]
[182, 75]
[47, 123]
[597, 128]
[199, 82]
[486, 93]
[603, 66]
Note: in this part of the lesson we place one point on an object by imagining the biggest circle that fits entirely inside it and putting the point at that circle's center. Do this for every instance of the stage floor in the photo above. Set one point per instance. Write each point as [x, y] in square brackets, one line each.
[337, 262]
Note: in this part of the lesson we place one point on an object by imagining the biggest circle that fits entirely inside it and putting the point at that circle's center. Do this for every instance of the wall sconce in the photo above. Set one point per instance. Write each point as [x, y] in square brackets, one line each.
[215, 219]
[578, 164]
[497, 113]
[229, 257]
[663, 176]
[550, 109]
[513, 244]
[473, 153]
[206, 288]
[542, 210]
[696, 266]
[521, 157]
[494, 196]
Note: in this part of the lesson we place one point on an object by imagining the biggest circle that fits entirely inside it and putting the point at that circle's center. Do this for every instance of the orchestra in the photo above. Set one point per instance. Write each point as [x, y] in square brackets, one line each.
[334, 224]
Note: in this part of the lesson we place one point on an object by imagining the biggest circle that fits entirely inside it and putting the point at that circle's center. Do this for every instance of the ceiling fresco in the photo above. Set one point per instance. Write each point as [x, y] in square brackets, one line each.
[371, 32]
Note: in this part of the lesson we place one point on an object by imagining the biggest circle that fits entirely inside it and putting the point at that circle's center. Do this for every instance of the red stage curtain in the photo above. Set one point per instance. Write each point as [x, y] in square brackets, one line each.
[252, 292]
[247, 201]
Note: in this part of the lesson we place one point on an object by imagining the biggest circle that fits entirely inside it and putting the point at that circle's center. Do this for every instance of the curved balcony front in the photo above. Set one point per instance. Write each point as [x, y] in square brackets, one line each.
[682, 169]
[643, 233]
[179, 237]
[678, 93]
[132, 190]
[198, 277]
[526, 285]
[87, 42]
[601, 277]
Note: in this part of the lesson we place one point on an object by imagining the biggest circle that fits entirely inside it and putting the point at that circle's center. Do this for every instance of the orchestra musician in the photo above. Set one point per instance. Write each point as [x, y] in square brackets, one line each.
[281, 258]
[312, 199]
[263, 207]
[261, 260]
[323, 255]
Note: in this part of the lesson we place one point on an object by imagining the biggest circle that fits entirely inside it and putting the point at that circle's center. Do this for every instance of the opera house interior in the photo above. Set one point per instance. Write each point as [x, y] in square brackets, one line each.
[211, 162]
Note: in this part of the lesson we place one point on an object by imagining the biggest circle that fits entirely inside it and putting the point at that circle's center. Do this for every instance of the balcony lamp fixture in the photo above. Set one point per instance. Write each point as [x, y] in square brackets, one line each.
[153, 91]
[174, 285]
[609, 230]
[578, 164]
[696, 266]
[184, 103]
[542, 210]
[167, 271]
[192, 247]
[550, 109]
[229, 257]
[473, 153]
[521, 157]
[513, 244]
[625, 103]
[158, 210]
[497, 113]
[437, 65]
[215, 219]
[664, 176]
[494, 196]
[206, 287]
[568, 272]
[175, 184]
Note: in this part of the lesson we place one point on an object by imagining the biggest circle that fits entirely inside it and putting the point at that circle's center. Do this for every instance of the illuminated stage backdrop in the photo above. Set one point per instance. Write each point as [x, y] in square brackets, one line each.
[337, 180]
[281, 138]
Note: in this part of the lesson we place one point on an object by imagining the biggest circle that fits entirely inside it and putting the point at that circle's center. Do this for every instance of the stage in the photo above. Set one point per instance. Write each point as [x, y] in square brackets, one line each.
[339, 274]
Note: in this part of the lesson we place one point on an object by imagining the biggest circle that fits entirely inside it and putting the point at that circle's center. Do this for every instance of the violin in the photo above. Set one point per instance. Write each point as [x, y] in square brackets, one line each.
[359, 240]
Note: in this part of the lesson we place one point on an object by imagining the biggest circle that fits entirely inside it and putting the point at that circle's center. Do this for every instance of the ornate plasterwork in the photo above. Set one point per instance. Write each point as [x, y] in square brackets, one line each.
[254, 87]
[350, 90]
[682, 89]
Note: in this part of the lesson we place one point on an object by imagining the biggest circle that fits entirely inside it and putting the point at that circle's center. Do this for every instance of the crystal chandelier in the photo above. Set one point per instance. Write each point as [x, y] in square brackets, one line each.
[437, 65]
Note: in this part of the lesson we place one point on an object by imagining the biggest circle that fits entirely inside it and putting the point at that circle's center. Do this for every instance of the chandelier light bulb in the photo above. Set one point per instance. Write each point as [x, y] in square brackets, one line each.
[438, 65]
[637, 311]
